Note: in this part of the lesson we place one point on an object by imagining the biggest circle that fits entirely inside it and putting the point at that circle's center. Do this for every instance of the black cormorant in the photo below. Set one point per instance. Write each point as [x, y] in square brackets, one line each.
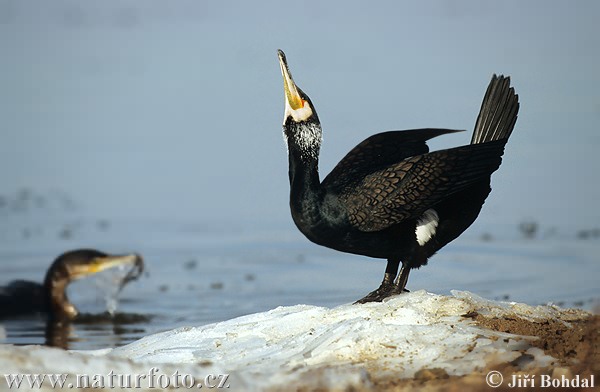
[23, 297]
[389, 197]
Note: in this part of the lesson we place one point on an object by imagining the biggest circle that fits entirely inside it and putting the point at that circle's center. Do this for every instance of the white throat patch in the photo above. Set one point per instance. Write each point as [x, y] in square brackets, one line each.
[308, 137]
[298, 115]
[427, 226]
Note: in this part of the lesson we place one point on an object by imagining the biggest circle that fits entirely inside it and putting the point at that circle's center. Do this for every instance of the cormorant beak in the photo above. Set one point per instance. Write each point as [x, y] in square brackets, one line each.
[99, 264]
[291, 91]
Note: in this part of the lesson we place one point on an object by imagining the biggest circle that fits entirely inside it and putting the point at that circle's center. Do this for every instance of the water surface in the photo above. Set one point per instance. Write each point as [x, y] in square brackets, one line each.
[199, 273]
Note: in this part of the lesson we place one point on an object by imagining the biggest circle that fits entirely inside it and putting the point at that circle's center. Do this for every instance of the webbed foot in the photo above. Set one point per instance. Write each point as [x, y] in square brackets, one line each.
[384, 291]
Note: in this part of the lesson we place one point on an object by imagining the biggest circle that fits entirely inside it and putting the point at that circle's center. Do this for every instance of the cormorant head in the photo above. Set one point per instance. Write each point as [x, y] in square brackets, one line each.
[74, 265]
[298, 106]
[301, 124]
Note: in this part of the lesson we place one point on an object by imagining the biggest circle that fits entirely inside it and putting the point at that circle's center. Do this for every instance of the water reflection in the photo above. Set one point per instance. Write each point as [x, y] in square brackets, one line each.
[58, 334]
[118, 328]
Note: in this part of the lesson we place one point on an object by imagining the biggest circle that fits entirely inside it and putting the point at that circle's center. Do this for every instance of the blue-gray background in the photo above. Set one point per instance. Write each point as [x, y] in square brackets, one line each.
[165, 110]
[155, 127]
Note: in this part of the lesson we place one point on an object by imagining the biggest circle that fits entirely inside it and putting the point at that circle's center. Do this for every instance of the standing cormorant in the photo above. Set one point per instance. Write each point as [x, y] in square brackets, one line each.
[389, 197]
[23, 297]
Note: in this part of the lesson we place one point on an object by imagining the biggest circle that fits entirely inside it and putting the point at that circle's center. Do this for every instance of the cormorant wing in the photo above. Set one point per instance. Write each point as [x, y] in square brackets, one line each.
[378, 152]
[21, 296]
[406, 189]
[21, 287]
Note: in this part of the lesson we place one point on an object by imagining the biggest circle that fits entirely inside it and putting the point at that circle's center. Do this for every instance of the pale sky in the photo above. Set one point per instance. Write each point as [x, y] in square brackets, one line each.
[174, 109]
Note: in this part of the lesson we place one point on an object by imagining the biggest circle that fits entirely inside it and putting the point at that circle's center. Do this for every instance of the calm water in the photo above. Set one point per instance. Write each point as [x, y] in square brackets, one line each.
[200, 272]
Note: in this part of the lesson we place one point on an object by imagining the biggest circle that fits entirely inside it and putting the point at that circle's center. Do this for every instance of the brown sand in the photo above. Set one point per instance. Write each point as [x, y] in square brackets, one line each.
[575, 344]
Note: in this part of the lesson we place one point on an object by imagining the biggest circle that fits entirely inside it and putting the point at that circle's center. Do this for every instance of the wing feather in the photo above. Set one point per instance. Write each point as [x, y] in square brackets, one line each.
[408, 188]
[378, 152]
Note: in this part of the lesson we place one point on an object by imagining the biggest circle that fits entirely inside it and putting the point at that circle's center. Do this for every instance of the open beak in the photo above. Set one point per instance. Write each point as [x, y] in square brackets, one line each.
[100, 264]
[291, 91]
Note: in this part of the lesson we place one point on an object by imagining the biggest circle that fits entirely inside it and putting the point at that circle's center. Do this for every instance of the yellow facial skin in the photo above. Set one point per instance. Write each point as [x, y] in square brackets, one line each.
[295, 107]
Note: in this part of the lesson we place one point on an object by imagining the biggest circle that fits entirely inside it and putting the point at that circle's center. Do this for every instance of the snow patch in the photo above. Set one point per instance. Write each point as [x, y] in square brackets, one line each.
[313, 346]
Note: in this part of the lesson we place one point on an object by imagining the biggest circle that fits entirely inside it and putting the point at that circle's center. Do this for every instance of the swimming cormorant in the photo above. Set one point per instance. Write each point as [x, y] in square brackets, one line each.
[24, 297]
[390, 197]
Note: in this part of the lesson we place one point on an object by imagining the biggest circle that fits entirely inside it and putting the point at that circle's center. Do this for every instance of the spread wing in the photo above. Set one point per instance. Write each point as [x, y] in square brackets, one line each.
[406, 189]
[378, 152]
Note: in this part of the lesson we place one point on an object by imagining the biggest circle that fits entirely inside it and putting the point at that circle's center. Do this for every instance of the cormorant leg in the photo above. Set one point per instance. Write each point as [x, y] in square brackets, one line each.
[400, 285]
[387, 287]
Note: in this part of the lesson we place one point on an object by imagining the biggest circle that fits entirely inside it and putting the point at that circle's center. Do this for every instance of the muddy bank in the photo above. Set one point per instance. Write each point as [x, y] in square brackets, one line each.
[575, 343]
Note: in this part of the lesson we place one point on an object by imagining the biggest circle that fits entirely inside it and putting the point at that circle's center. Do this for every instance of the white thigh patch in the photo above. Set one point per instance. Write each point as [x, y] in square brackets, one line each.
[426, 226]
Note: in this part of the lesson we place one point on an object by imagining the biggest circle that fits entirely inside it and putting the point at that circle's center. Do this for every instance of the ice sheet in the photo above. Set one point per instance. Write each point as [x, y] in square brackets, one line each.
[314, 346]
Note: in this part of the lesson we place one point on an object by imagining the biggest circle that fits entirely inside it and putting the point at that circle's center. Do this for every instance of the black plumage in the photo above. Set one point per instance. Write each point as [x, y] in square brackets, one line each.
[390, 197]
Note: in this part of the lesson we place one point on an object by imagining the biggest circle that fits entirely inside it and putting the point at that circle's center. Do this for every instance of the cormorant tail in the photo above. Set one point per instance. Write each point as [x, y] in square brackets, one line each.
[498, 113]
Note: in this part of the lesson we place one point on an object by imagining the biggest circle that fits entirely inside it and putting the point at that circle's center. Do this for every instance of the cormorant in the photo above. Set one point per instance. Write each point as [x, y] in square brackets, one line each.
[24, 297]
[389, 197]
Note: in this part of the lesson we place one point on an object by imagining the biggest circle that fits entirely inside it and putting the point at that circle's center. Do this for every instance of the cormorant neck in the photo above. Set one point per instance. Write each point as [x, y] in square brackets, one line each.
[55, 286]
[305, 188]
[304, 143]
[303, 139]
[303, 173]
